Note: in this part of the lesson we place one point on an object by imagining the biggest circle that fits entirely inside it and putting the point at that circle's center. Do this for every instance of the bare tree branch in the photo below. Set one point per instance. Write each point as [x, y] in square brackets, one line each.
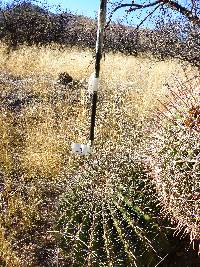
[132, 7]
[183, 10]
[148, 15]
[189, 14]
[136, 6]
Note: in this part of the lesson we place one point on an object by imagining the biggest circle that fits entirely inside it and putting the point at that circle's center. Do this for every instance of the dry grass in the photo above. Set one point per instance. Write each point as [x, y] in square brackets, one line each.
[36, 139]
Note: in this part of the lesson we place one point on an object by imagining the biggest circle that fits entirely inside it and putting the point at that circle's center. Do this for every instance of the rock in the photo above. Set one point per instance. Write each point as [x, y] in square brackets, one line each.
[65, 78]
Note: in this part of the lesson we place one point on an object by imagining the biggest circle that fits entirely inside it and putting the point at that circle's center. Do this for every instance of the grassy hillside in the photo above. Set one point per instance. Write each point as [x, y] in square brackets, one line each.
[24, 22]
[50, 198]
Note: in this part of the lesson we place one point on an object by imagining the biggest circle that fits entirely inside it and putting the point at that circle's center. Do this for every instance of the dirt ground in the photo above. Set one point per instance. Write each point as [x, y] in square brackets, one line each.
[182, 255]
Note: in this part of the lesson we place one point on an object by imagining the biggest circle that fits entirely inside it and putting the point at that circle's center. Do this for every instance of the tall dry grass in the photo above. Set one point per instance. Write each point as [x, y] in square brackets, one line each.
[36, 137]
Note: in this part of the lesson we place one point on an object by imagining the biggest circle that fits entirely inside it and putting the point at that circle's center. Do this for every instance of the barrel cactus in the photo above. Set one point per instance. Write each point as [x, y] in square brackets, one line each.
[108, 215]
[174, 155]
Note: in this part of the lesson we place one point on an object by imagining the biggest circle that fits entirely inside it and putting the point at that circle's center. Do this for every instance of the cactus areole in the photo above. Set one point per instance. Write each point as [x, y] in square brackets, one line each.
[99, 44]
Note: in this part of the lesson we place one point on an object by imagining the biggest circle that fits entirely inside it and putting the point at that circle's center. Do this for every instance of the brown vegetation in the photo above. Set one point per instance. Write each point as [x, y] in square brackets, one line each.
[39, 120]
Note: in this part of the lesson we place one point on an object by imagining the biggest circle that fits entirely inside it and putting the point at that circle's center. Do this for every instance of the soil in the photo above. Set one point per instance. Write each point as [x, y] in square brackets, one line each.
[182, 255]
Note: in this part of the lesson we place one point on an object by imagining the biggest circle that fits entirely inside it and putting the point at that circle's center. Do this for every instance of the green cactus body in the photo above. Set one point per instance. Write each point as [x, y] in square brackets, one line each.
[108, 220]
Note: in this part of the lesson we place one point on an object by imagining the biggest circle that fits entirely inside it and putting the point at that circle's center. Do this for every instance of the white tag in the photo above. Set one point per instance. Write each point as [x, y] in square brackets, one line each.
[81, 149]
[93, 84]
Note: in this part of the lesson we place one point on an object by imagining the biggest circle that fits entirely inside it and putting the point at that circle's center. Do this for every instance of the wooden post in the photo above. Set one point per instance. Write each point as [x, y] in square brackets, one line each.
[99, 44]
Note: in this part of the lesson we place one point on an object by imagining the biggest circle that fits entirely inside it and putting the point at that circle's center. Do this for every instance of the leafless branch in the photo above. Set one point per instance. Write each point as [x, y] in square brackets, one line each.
[132, 7]
[149, 14]
[189, 14]
[182, 10]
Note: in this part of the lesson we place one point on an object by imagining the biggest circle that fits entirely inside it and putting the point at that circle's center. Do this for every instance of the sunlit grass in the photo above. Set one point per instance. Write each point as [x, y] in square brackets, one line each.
[37, 163]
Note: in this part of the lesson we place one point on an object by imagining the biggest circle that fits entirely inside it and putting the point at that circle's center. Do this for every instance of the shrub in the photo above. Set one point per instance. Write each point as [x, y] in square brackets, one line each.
[24, 22]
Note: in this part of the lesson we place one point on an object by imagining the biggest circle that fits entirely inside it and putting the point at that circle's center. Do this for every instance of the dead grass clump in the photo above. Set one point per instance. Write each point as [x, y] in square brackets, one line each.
[45, 61]
[25, 221]
[5, 155]
[7, 256]
[44, 147]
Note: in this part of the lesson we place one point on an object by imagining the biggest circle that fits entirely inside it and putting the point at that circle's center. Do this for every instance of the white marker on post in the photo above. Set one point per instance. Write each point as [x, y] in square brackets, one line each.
[81, 149]
[93, 84]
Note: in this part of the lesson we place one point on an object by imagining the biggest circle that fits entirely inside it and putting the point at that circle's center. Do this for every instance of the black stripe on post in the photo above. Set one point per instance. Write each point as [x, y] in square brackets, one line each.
[93, 116]
[99, 43]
